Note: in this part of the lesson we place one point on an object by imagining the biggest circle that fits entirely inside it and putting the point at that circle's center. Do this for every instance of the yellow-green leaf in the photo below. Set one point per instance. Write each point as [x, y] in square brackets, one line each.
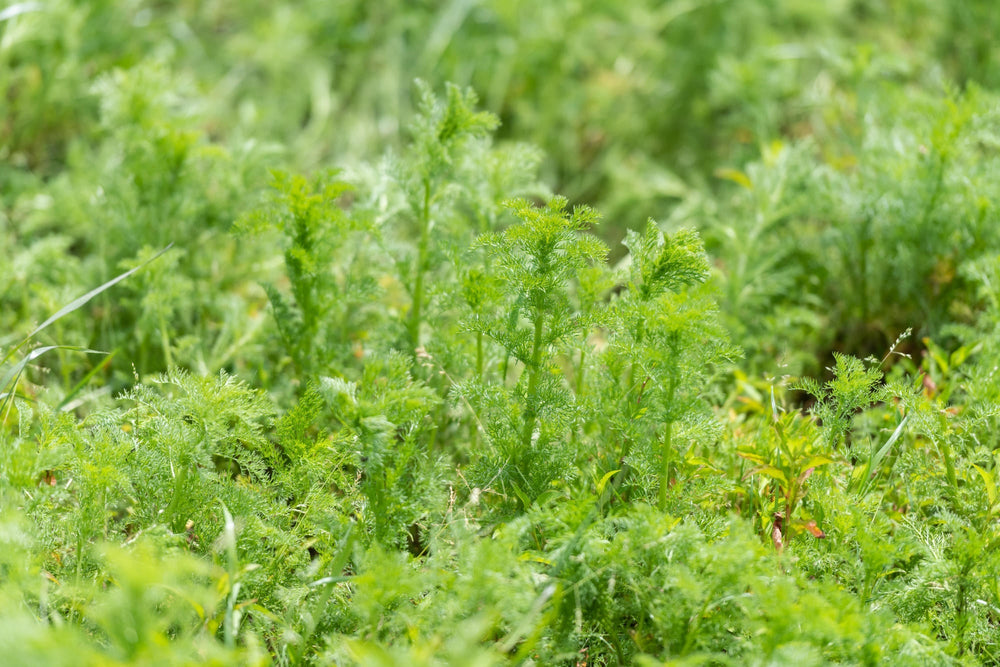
[604, 481]
[991, 487]
[815, 461]
[736, 176]
[772, 472]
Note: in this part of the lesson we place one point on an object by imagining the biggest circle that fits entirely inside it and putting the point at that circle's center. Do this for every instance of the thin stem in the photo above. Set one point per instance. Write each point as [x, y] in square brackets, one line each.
[418, 287]
[165, 341]
[479, 355]
[479, 377]
[536, 361]
[171, 514]
[667, 461]
[579, 372]
[668, 447]
[577, 432]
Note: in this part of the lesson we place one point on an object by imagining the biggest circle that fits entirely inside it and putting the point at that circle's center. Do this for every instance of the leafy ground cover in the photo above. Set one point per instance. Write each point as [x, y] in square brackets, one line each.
[499, 332]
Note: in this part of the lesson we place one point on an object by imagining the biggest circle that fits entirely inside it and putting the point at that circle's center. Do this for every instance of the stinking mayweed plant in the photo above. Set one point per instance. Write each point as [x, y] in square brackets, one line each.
[532, 316]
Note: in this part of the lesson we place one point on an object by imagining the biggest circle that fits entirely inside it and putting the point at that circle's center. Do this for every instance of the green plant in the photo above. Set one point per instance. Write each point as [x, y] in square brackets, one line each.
[322, 322]
[13, 370]
[788, 460]
[528, 426]
[384, 424]
[466, 431]
[665, 338]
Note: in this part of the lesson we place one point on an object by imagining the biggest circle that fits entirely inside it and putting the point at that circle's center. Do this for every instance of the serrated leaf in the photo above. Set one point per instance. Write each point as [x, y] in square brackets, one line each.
[701, 461]
[754, 458]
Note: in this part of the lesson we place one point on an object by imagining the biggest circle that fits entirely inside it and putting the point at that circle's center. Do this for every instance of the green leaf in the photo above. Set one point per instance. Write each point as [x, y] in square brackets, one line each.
[877, 457]
[989, 483]
[604, 481]
[815, 461]
[736, 176]
[772, 472]
[752, 457]
[83, 382]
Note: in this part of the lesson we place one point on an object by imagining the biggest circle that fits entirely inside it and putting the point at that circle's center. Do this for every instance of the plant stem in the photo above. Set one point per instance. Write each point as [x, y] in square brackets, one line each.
[579, 372]
[418, 286]
[165, 342]
[479, 376]
[578, 432]
[536, 361]
[668, 446]
[479, 355]
[171, 513]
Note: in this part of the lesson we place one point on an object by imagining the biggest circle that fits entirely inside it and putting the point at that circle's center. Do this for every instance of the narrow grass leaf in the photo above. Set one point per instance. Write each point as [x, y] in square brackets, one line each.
[880, 455]
[80, 301]
[83, 383]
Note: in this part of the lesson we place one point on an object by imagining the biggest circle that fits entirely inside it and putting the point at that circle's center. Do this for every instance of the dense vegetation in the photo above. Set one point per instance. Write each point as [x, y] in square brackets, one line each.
[499, 332]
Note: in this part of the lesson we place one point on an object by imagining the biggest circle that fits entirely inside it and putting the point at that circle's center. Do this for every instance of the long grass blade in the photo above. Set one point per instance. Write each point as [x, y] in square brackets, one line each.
[877, 457]
[15, 370]
[9, 381]
[80, 301]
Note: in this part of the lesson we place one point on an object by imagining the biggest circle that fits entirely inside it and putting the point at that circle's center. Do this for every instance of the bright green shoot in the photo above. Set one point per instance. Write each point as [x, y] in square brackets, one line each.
[536, 261]
[440, 133]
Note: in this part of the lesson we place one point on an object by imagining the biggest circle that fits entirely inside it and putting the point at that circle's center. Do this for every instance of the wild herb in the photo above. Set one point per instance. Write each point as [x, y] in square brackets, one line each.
[401, 404]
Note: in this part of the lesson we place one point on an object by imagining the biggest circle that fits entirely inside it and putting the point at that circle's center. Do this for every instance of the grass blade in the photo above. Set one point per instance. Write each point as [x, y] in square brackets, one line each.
[83, 383]
[876, 460]
[80, 301]
[10, 378]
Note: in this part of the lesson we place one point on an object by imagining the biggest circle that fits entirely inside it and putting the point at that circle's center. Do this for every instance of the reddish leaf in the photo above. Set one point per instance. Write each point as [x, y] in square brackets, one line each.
[814, 529]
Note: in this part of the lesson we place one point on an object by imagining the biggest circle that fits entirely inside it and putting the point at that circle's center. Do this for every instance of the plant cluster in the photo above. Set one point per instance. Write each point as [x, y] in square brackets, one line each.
[419, 409]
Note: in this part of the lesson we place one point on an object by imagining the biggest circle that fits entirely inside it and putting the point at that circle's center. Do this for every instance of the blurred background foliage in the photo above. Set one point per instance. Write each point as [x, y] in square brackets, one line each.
[130, 124]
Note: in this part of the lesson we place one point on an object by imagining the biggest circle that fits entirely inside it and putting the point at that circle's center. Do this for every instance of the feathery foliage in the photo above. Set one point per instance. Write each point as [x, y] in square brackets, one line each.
[398, 403]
